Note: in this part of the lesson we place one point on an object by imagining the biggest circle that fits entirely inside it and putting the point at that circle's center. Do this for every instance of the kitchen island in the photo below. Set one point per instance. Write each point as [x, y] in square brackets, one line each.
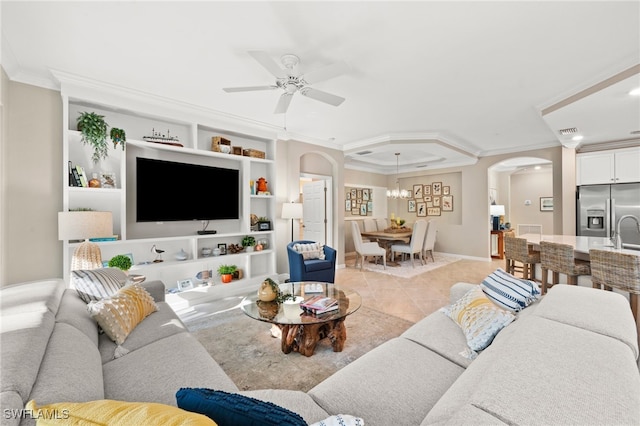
[581, 245]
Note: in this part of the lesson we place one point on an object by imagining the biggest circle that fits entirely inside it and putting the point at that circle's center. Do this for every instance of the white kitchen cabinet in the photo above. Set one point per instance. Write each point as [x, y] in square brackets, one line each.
[605, 167]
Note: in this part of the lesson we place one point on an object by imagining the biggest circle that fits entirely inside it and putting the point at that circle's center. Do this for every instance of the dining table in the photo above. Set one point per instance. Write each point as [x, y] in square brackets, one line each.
[387, 238]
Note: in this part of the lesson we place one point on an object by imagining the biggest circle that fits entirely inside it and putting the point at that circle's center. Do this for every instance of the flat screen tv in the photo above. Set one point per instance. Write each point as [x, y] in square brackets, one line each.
[172, 191]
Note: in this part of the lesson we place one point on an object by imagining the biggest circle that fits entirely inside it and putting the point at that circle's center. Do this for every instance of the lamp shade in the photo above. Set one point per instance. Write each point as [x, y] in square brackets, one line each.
[292, 211]
[82, 225]
[497, 210]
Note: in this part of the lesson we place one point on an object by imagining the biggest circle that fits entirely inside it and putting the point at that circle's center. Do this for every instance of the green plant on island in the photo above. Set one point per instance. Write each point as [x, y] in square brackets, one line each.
[121, 262]
[263, 219]
[118, 136]
[248, 241]
[227, 269]
[94, 133]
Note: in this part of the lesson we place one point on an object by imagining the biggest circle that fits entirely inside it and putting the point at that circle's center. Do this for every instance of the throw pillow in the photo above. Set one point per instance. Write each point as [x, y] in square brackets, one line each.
[340, 420]
[114, 413]
[121, 313]
[510, 292]
[478, 317]
[232, 409]
[96, 284]
[310, 251]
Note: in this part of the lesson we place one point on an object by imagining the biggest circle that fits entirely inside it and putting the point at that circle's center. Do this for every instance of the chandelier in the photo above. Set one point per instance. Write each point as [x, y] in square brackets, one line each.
[397, 192]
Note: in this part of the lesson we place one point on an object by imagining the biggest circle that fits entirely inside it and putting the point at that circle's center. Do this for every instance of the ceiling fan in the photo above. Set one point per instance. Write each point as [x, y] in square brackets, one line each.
[289, 80]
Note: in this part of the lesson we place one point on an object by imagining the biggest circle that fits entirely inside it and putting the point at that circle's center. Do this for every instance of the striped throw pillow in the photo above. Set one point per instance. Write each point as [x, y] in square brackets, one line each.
[510, 292]
[96, 284]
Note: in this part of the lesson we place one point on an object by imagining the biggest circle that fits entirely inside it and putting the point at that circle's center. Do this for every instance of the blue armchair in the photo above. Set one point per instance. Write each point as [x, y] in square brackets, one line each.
[322, 270]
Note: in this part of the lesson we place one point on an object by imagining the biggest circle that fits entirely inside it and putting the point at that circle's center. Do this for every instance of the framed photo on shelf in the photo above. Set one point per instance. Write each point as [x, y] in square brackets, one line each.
[411, 206]
[185, 285]
[447, 203]
[223, 248]
[546, 204]
[107, 180]
[264, 226]
[437, 188]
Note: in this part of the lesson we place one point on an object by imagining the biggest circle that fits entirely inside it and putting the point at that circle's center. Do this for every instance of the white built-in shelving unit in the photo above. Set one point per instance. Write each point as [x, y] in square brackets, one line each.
[138, 114]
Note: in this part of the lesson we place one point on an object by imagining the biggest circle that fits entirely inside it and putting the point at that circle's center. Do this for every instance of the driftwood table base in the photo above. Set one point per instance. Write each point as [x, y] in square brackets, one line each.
[303, 338]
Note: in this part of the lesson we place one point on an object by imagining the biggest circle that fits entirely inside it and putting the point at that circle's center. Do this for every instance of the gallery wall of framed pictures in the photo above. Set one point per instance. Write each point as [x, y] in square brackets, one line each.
[358, 201]
[430, 199]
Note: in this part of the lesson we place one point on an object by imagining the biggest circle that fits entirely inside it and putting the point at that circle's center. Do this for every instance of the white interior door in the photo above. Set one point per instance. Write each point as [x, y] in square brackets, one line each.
[315, 210]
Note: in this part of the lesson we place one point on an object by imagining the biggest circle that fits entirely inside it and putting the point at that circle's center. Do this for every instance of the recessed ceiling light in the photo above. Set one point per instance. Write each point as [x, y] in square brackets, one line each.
[537, 167]
[635, 92]
[577, 138]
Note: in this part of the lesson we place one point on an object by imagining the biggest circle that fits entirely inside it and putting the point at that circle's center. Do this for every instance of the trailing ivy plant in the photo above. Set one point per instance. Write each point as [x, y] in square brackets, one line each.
[94, 133]
[118, 136]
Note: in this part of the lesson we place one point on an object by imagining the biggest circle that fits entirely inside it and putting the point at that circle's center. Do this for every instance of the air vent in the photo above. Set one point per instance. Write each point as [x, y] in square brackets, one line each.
[568, 131]
[363, 152]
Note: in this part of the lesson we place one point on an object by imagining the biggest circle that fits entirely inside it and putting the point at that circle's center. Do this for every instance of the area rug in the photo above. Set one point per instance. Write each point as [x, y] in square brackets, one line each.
[247, 352]
[405, 270]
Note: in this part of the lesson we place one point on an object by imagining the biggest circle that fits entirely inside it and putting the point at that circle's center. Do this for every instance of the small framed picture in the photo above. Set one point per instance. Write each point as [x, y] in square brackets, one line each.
[433, 211]
[347, 205]
[264, 226]
[447, 203]
[107, 180]
[427, 190]
[223, 248]
[355, 210]
[363, 209]
[437, 188]
[369, 207]
[446, 190]
[365, 194]
[348, 195]
[354, 192]
[411, 206]
[417, 191]
[421, 209]
[436, 201]
[546, 204]
[359, 194]
[185, 285]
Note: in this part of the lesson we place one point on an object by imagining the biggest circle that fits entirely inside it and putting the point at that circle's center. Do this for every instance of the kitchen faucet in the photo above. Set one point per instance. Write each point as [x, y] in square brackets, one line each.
[617, 239]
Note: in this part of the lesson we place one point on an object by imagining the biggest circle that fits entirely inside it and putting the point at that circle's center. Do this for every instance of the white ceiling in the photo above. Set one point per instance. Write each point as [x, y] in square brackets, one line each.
[443, 83]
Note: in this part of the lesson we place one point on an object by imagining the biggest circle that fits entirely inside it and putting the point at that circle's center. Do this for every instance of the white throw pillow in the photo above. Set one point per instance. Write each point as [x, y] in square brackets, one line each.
[96, 284]
[310, 251]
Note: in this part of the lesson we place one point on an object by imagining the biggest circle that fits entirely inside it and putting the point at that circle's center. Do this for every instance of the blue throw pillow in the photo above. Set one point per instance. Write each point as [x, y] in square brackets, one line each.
[508, 291]
[232, 409]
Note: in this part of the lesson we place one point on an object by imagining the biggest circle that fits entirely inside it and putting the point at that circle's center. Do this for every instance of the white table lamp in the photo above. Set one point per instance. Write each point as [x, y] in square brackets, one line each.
[292, 211]
[82, 225]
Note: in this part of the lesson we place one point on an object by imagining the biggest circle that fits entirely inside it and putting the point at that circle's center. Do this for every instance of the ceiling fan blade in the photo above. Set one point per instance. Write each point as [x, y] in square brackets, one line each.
[266, 61]
[321, 96]
[330, 71]
[248, 88]
[283, 103]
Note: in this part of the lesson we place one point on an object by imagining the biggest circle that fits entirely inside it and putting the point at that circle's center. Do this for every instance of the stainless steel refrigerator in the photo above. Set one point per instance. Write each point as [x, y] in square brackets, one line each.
[599, 207]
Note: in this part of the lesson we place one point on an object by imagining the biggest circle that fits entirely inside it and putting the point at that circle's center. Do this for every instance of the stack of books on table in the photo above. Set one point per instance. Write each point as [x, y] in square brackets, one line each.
[319, 304]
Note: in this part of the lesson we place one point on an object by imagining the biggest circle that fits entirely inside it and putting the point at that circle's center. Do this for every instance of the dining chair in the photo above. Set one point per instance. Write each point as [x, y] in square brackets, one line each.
[617, 270]
[559, 259]
[370, 225]
[414, 246]
[382, 224]
[429, 240]
[517, 250]
[364, 249]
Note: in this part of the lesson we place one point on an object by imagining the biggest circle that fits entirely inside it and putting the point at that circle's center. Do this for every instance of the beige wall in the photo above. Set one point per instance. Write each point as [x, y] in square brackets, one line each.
[531, 186]
[32, 183]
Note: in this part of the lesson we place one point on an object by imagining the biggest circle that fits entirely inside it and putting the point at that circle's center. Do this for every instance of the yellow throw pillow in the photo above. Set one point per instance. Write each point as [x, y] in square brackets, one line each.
[114, 413]
[121, 313]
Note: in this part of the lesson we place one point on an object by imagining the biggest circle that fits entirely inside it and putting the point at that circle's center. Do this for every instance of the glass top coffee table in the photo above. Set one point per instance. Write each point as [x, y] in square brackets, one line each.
[301, 331]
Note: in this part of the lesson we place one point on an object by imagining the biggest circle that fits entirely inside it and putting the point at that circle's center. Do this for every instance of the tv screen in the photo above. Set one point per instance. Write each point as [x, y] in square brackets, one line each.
[171, 191]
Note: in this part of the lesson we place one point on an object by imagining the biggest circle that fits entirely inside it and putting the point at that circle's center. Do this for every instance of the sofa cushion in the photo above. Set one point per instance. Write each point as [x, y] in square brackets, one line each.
[317, 265]
[155, 372]
[297, 401]
[478, 317]
[310, 251]
[71, 369]
[122, 312]
[34, 296]
[161, 324]
[231, 409]
[96, 284]
[73, 311]
[509, 292]
[399, 374]
[118, 413]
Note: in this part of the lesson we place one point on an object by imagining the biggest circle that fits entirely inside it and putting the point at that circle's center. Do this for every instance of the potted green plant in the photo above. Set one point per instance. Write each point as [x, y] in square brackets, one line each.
[120, 261]
[226, 272]
[248, 242]
[94, 133]
[118, 136]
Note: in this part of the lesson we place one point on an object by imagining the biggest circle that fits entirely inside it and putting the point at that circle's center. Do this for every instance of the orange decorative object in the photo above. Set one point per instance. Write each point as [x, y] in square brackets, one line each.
[262, 185]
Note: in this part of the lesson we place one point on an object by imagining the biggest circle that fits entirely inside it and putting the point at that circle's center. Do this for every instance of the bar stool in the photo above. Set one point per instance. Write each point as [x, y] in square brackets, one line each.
[617, 270]
[559, 259]
[517, 250]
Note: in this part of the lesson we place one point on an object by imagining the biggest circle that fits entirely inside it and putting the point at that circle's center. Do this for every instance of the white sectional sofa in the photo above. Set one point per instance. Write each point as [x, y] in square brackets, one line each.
[571, 358]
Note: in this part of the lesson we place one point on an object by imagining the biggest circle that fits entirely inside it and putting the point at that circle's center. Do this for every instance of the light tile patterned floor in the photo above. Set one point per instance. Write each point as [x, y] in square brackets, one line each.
[414, 298]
